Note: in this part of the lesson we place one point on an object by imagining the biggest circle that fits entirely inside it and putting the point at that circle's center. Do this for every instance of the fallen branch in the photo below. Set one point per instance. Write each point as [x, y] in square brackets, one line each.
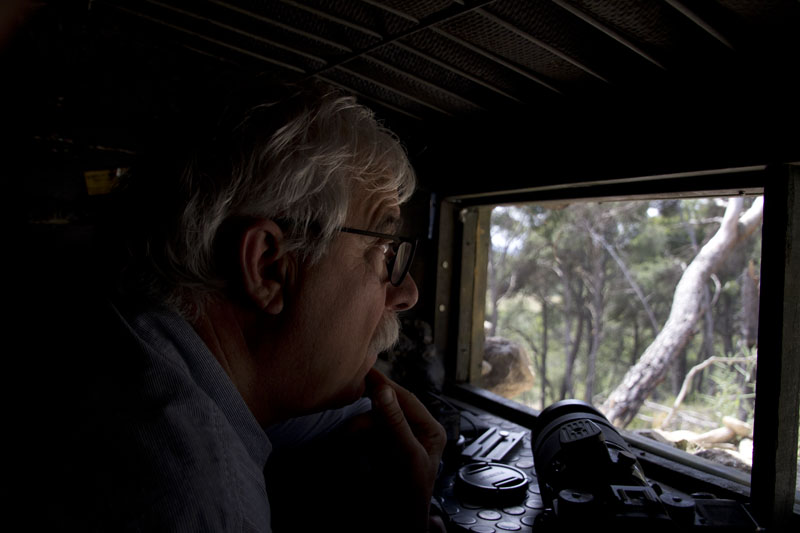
[693, 418]
[695, 369]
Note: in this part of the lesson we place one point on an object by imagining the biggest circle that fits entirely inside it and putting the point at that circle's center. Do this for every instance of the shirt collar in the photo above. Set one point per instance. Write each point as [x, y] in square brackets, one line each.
[172, 333]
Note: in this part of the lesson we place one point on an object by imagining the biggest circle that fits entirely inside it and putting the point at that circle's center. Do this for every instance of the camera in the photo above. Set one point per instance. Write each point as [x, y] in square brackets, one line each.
[588, 476]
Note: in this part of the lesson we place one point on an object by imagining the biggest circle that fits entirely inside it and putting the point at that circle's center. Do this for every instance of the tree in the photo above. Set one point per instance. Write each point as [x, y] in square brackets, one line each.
[571, 293]
[596, 280]
[626, 399]
[501, 267]
[516, 274]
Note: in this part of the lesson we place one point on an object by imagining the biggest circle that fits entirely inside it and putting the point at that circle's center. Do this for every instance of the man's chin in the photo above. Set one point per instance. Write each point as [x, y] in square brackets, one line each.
[361, 383]
[349, 396]
[356, 388]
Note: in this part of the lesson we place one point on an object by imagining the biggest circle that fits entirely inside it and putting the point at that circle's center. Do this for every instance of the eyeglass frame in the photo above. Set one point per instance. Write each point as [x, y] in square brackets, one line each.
[398, 241]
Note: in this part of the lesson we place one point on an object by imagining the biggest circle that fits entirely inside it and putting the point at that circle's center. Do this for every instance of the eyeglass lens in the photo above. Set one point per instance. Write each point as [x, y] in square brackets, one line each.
[401, 260]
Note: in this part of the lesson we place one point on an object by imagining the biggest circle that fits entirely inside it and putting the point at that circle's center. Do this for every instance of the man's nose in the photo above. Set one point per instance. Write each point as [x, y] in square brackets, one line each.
[403, 297]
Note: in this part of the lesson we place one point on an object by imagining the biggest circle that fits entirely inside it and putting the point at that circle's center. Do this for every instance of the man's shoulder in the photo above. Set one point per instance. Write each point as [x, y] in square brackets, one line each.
[142, 443]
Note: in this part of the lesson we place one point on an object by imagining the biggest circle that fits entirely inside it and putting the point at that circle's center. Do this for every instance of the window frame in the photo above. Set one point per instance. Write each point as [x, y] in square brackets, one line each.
[459, 314]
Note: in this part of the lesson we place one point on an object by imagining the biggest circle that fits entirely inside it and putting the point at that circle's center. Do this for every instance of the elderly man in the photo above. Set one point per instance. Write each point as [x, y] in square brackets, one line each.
[262, 276]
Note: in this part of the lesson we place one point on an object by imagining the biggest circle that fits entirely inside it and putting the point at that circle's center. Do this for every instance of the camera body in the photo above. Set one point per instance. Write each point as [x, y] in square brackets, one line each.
[589, 476]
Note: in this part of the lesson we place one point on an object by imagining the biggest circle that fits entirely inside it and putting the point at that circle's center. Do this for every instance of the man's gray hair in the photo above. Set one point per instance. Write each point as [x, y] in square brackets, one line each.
[296, 160]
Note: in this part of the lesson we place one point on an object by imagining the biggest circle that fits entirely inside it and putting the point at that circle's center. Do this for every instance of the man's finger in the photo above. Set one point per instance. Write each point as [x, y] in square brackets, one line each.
[409, 413]
[385, 401]
[427, 430]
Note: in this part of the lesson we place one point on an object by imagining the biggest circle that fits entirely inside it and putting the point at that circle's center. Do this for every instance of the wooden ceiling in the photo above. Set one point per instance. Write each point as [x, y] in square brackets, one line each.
[454, 73]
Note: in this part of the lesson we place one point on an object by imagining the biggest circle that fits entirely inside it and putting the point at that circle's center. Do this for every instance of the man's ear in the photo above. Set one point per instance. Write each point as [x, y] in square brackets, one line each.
[264, 265]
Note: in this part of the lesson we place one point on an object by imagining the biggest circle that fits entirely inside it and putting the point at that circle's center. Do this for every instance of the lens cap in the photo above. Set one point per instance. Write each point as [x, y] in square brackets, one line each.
[491, 484]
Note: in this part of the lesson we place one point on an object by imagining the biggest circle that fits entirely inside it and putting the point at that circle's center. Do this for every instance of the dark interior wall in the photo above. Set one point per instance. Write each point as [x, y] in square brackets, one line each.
[82, 95]
[744, 124]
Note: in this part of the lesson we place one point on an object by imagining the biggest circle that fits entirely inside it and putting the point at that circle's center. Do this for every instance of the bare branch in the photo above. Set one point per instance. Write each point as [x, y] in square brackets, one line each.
[695, 369]
[628, 277]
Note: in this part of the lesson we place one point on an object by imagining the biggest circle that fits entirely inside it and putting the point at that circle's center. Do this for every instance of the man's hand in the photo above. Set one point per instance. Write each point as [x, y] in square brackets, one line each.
[376, 473]
[410, 443]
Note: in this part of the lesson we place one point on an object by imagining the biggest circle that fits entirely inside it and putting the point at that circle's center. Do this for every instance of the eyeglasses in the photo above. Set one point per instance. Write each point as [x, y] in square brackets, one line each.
[402, 253]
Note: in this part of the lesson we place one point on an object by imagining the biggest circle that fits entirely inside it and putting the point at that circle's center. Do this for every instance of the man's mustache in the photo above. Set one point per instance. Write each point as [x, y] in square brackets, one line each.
[387, 333]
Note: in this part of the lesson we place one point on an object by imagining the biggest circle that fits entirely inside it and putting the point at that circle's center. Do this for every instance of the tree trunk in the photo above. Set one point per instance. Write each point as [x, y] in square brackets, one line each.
[570, 311]
[727, 325]
[597, 307]
[543, 369]
[497, 265]
[624, 402]
[678, 372]
[707, 349]
[592, 360]
[750, 306]
[567, 389]
[750, 296]
[628, 275]
[493, 296]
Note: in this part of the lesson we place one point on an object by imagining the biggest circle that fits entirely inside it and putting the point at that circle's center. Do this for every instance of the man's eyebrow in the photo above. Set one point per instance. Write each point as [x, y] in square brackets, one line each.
[390, 224]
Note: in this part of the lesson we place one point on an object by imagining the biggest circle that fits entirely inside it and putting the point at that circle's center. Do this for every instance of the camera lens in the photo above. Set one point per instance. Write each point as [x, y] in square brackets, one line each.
[576, 450]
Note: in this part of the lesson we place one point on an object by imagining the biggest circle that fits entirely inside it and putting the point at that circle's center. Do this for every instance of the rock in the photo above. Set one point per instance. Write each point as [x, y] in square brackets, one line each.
[678, 436]
[653, 434]
[673, 438]
[714, 436]
[723, 434]
[742, 429]
[724, 457]
[746, 451]
[509, 372]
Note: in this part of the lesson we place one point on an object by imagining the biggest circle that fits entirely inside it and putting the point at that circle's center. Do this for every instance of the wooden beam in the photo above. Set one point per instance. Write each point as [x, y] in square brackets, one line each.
[446, 262]
[540, 43]
[262, 18]
[455, 70]
[391, 88]
[333, 18]
[694, 17]
[421, 81]
[395, 12]
[496, 59]
[606, 29]
[480, 272]
[778, 376]
[472, 294]
[217, 42]
[466, 287]
[439, 17]
[236, 30]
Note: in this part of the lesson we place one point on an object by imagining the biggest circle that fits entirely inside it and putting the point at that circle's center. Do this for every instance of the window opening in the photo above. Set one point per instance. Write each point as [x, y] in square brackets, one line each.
[648, 309]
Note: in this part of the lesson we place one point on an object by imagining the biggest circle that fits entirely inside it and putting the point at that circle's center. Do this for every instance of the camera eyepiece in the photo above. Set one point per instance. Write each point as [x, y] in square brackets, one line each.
[586, 470]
